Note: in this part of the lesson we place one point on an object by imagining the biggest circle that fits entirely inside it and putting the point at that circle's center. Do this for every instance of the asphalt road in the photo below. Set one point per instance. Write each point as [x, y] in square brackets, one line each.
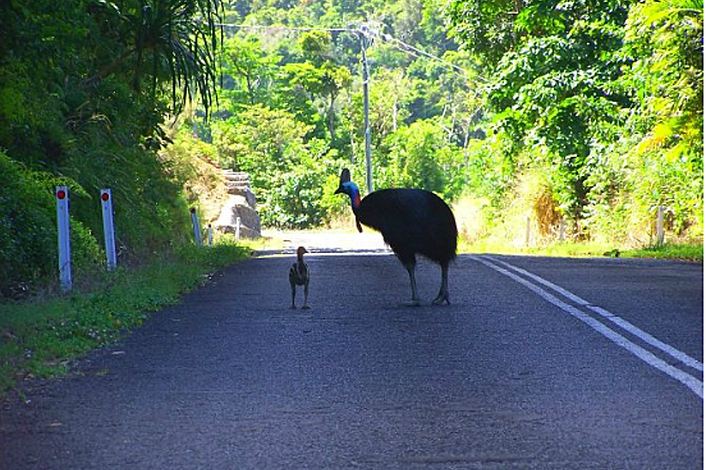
[513, 375]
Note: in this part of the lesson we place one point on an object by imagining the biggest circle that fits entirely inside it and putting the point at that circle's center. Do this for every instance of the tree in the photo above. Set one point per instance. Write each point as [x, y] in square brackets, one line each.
[486, 27]
[325, 82]
[421, 157]
[167, 38]
[553, 66]
[288, 171]
[261, 141]
[250, 66]
[605, 96]
[665, 141]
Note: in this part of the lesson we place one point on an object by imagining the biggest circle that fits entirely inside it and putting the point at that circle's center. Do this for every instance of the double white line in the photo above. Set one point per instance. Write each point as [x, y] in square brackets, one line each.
[694, 384]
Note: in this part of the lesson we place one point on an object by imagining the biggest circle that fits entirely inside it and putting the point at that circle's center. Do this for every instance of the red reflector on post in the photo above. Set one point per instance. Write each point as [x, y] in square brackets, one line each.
[105, 196]
[60, 194]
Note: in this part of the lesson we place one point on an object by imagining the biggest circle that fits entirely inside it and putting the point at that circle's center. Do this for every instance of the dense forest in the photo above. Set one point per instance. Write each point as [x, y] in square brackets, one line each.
[586, 114]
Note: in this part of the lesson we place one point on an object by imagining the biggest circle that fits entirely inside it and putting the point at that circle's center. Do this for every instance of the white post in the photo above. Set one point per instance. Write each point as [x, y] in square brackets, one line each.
[109, 228]
[237, 228]
[62, 216]
[562, 230]
[210, 235]
[660, 225]
[527, 231]
[197, 227]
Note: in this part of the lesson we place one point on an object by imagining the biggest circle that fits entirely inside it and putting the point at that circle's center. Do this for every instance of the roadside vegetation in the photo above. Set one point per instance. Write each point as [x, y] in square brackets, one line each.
[582, 115]
[40, 336]
[681, 252]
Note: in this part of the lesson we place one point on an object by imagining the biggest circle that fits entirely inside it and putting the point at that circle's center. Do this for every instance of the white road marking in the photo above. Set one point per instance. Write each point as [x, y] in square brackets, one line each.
[624, 324]
[690, 381]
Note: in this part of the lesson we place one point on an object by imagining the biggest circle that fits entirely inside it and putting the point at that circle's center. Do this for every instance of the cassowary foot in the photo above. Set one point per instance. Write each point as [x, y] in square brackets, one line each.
[305, 307]
[293, 307]
[441, 299]
[413, 303]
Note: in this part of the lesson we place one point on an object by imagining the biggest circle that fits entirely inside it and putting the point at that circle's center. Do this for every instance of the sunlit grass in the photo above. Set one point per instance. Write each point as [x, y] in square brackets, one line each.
[566, 249]
[263, 243]
[686, 251]
[690, 252]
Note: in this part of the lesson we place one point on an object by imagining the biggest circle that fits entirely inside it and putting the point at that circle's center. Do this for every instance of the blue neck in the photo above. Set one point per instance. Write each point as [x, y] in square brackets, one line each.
[354, 193]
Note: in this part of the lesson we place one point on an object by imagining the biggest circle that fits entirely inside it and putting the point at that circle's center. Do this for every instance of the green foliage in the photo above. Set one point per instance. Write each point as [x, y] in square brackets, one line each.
[667, 163]
[552, 89]
[604, 96]
[27, 228]
[490, 169]
[39, 337]
[297, 199]
[312, 85]
[576, 90]
[420, 157]
[260, 140]
[287, 170]
[250, 69]
[325, 81]
[689, 252]
[28, 244]
[84, 90]
[171, 40]
[316, 47]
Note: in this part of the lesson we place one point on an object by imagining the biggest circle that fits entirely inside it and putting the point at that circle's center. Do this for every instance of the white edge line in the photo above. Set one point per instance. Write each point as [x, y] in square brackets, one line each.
[690, 381]
[626, 325]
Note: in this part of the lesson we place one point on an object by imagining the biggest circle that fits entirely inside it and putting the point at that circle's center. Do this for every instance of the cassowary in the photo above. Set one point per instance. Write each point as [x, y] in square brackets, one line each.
[412, 221]
[299, 276]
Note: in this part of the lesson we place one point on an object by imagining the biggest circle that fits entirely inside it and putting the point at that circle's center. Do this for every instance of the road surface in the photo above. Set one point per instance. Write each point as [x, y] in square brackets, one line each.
[538, 364]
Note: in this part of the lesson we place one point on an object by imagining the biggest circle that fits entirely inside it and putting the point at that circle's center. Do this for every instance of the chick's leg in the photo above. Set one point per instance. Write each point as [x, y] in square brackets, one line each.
[294, 293]
[306, 294]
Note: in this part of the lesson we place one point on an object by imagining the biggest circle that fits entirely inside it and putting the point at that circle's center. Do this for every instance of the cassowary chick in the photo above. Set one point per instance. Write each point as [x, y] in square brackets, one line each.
[299, 276]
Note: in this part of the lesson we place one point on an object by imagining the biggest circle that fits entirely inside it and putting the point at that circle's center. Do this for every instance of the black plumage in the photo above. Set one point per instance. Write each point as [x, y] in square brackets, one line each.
[299, 276]
[412, 222]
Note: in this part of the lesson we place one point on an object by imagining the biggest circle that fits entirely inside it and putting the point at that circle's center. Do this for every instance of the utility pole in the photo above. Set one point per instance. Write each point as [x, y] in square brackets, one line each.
[365, 42]
[465, 146]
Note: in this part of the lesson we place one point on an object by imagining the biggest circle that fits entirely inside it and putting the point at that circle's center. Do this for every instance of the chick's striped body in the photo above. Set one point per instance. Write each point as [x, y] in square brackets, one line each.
[299, 275]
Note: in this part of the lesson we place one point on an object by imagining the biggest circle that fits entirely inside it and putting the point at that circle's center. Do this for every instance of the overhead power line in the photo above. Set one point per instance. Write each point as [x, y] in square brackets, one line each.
[366, 31]
[403, 46]
[286, 28]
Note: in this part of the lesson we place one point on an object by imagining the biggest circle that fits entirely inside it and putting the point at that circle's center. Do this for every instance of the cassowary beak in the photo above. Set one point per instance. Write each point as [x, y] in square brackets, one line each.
[339, 190]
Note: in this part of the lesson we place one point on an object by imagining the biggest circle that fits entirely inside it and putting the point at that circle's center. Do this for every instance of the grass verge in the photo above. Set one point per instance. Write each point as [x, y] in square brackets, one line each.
[38, 338]
[685, 252]
[689, 252]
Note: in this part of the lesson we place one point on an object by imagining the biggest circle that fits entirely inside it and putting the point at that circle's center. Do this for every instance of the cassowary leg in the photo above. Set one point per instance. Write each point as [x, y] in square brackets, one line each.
[294, 293]
[306, 295]
[444, 290]
[410, 265]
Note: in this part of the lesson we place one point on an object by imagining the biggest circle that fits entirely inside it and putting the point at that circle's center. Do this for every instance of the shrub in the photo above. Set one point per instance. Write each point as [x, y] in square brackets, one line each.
[27, 228]
[28, 245]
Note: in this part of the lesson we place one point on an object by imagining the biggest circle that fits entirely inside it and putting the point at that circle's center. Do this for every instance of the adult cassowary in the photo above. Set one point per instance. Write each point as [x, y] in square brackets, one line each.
[412, 221]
